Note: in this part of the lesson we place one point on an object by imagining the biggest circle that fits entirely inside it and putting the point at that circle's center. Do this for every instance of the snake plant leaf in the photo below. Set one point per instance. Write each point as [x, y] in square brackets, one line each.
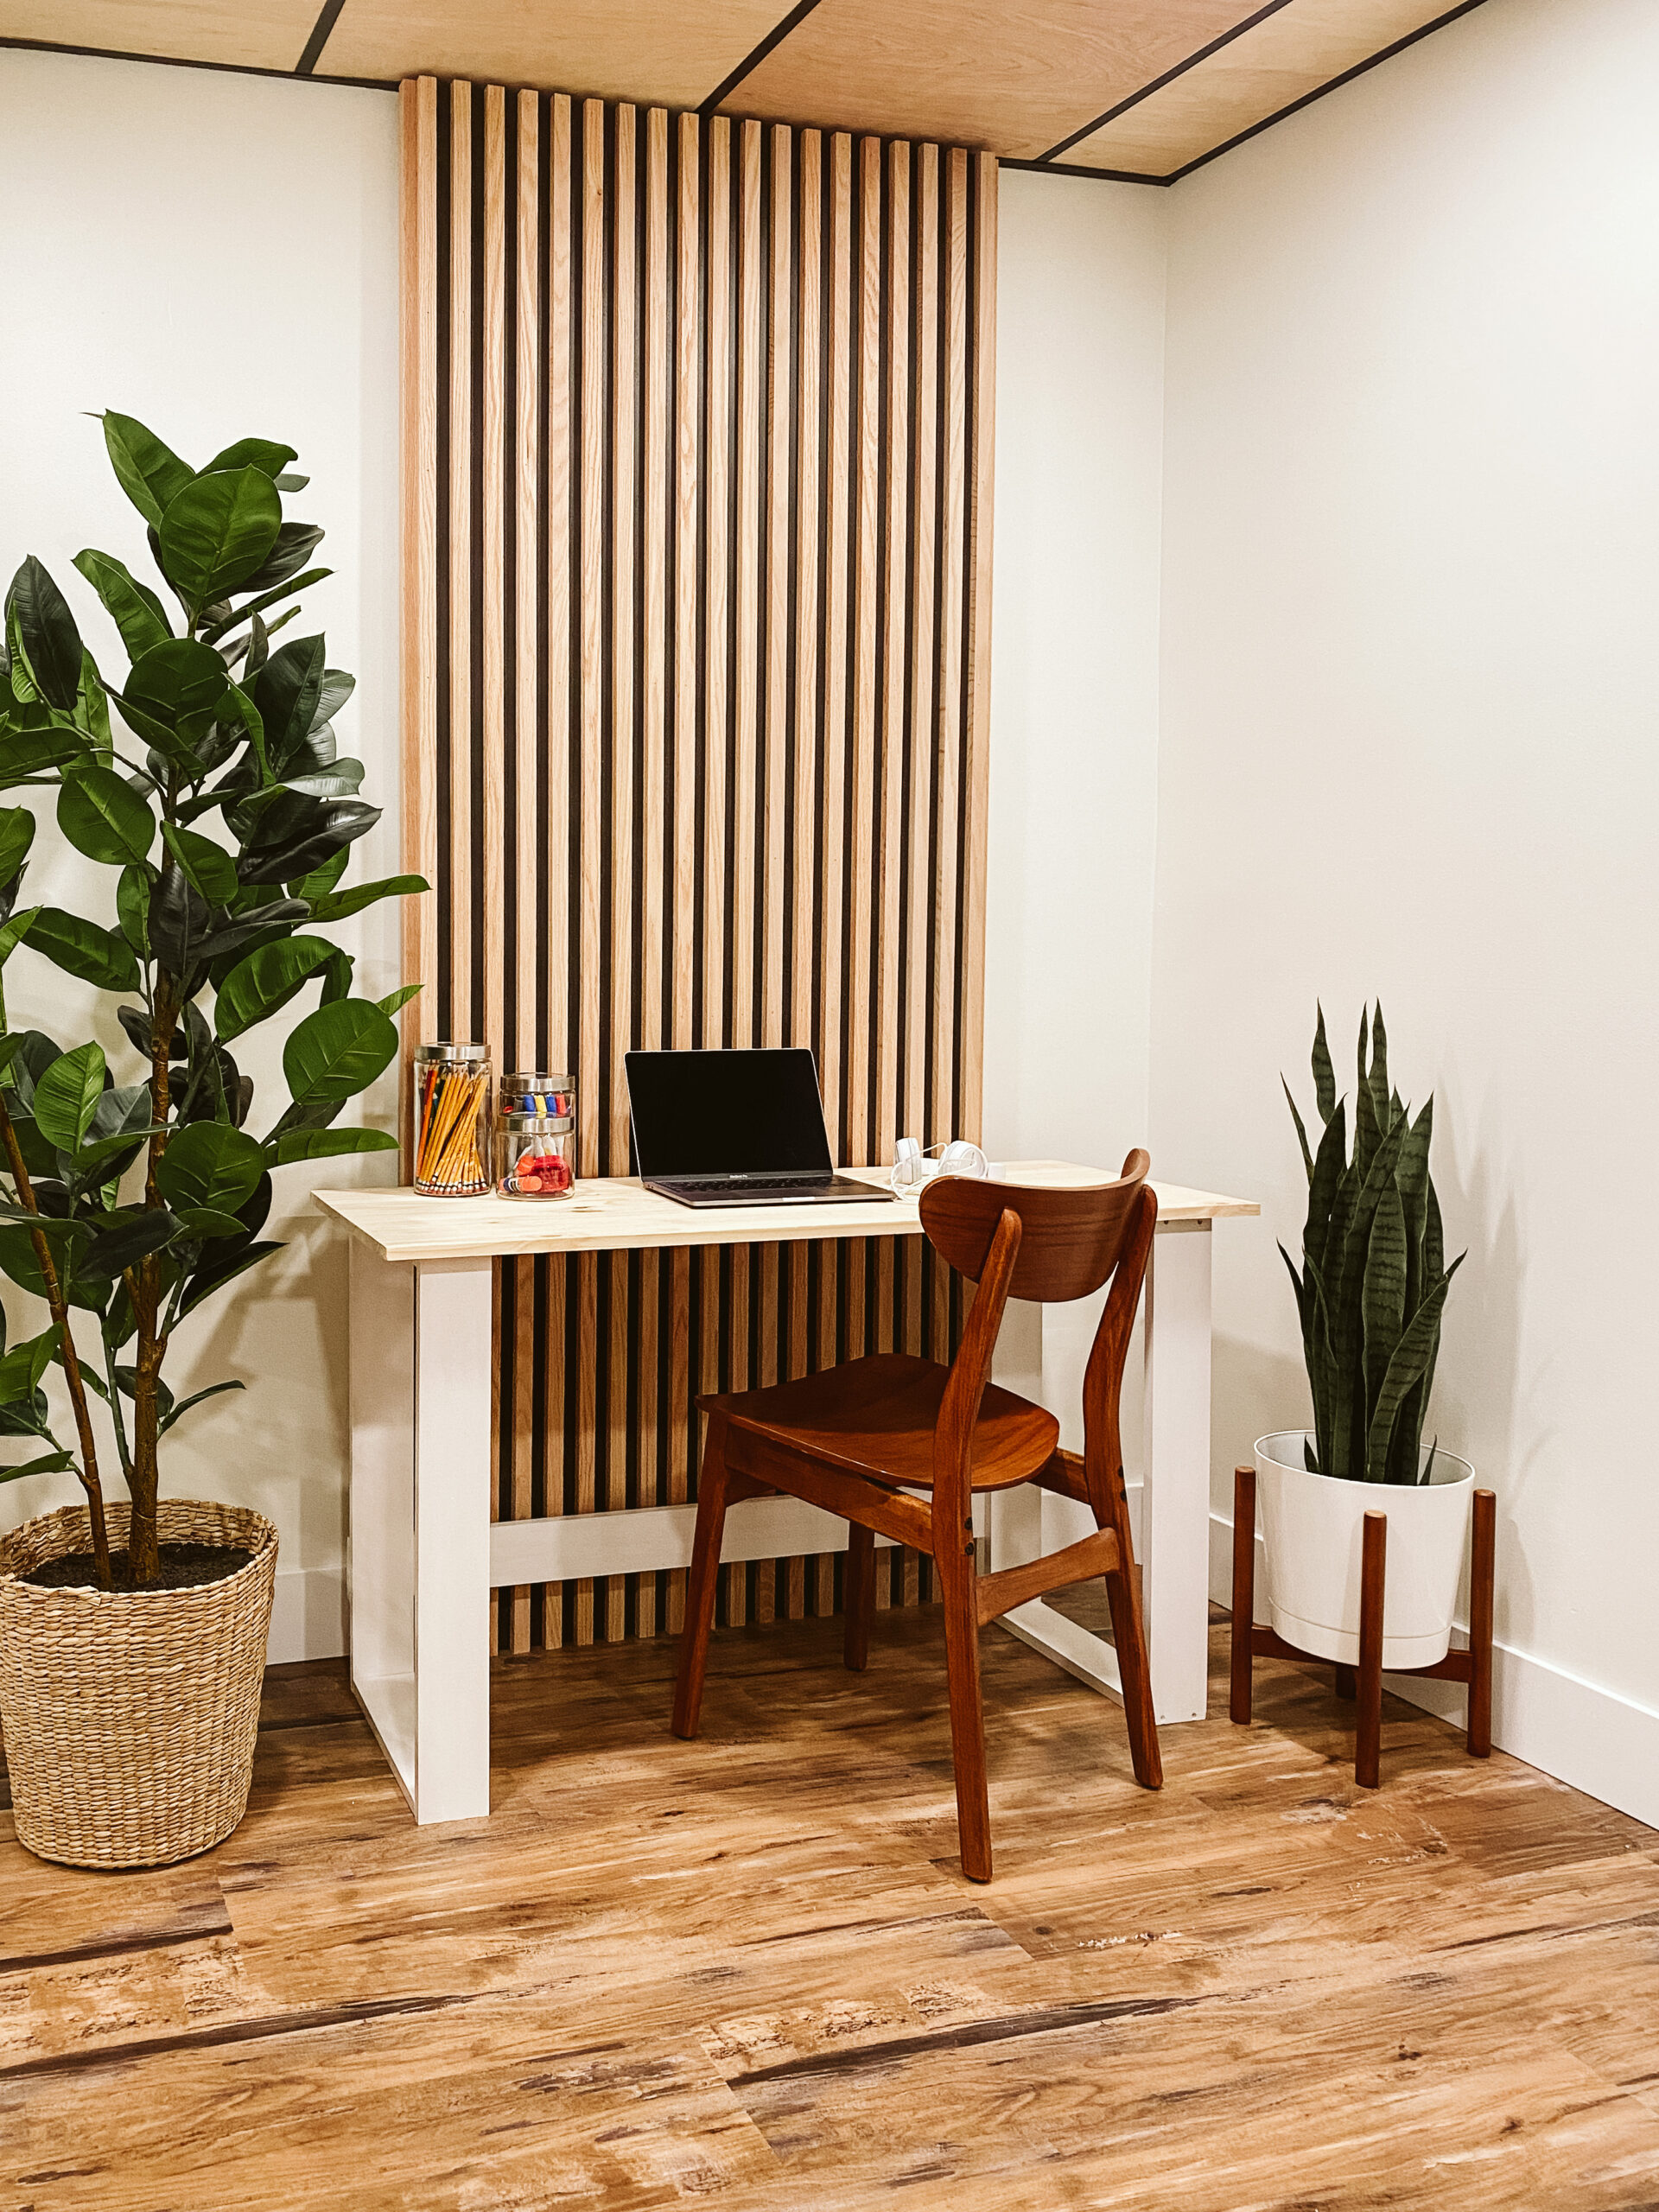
[135, 609]
[1297, 1285]
[1325, 1078]
[1348, 1425]
[150, 473]
[1328, 1167]
[1367, 1134]
[1379, 1074]
[1383, 1293]
[1406, 1368]
[1301, 1131]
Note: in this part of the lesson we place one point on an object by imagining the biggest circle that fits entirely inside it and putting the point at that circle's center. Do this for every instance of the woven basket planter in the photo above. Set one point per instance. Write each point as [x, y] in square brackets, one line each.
[129, 1715]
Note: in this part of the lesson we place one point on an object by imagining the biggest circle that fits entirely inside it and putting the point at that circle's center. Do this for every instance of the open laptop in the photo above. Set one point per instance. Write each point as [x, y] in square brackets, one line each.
[738, 1129]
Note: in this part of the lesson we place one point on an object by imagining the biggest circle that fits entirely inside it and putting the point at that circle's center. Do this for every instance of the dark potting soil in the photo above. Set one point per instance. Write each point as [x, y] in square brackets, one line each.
[184, 1567]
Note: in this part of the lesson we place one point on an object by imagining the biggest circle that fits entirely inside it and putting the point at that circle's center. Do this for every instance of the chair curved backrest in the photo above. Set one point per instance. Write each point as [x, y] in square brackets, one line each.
[1070, 1239]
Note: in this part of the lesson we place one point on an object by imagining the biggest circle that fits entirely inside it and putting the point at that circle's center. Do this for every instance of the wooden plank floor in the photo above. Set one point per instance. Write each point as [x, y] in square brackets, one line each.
[747, 1971]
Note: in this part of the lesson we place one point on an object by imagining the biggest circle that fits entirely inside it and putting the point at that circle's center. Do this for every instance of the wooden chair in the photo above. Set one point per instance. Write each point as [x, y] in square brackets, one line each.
[897, 1445]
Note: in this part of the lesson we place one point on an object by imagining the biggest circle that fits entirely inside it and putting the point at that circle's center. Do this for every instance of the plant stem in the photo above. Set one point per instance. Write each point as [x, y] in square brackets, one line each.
[59, 1306]
[146, 1303]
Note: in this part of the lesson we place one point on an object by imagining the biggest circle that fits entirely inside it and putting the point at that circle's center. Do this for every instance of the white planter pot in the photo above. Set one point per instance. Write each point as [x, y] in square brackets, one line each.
[1312, 1527]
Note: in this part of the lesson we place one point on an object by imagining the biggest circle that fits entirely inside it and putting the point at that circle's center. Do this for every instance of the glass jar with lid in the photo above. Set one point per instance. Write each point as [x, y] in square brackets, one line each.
[534, 1155]
[452, 1120]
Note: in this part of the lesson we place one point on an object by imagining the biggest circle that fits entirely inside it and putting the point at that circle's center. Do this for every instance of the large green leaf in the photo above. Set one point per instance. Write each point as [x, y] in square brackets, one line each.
[134, 1232]
[265, 980]
[213, 632]
[16, 835]
[208, 866]
[48, 1463]
[295, 833]
[24, 1366]
[291, 548]
[328, 1144]
[138, 612]
[80, 947]
[337, 1052]
[67, 1095]
[150, 473]
[102, 816]
[262, 453]
[286, 694]
[210, 1164]
[217, 532]
[34, 747]
[336, 906]
[215, 1274]
[175, 1412]
[40, 623]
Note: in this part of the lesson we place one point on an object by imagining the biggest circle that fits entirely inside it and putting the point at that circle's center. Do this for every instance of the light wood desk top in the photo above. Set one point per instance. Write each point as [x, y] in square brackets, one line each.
[618, 1214]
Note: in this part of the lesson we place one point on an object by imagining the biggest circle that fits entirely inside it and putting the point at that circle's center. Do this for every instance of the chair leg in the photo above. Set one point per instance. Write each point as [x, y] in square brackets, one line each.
[967, 1713]
[1129, 1637]
[858, 1595]
[703, 1582]
[1368, 1730]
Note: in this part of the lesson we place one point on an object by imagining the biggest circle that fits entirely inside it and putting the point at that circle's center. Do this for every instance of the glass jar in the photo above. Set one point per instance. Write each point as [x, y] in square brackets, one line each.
[534, 1155]
[452, 1121]
[529, 1092]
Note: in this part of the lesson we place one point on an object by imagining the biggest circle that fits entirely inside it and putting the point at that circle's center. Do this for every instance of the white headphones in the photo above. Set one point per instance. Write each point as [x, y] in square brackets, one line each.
[913, 1167]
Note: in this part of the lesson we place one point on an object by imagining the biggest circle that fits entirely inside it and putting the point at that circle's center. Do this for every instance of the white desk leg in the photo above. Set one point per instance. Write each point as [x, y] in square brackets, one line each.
[1175, 1503]
[455, 1348]
[421, 1347]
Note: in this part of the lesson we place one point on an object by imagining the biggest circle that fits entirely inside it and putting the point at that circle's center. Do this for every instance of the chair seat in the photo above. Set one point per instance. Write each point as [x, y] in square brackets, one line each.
[876, 1416]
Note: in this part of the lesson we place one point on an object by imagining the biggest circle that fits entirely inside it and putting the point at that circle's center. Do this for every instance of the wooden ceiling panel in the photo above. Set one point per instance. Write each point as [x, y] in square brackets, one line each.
[1016, 76]
[1298, 50]
[667, 53]
[253, 35]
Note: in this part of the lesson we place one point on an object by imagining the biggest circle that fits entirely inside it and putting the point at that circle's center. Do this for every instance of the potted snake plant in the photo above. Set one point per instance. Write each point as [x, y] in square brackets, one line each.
[1370, 1293]
[207, 782]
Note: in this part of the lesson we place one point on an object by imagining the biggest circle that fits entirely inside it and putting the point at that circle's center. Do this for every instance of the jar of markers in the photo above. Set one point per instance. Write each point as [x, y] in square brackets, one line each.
[535, 1137]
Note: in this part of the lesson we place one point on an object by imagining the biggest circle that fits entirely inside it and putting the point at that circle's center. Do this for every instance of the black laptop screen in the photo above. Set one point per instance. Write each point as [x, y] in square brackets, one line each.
[740, 1113]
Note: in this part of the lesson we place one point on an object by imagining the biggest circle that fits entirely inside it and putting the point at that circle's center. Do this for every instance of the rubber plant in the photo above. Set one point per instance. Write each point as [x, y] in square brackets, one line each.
[208, 781]
[1373, 1281]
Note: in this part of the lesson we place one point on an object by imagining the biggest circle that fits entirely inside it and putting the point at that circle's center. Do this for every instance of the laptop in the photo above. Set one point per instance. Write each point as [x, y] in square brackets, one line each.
[737, 1128]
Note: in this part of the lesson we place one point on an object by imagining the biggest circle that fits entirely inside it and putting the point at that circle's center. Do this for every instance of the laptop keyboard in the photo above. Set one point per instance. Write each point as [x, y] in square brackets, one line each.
[746, 1182]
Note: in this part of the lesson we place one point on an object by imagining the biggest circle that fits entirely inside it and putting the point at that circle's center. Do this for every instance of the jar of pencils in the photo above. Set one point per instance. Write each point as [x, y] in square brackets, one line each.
[534, 1155]
[452, 1121]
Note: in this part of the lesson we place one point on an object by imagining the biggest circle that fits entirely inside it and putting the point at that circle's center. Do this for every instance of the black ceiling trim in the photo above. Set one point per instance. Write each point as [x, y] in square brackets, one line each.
[1168, 77]
[186, 62]
[318, 38]
[773, 39]
[1387, 54]
[1045, 168]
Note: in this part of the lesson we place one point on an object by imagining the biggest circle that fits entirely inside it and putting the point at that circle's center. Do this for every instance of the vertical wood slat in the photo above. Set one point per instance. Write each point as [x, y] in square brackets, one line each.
[713, 528]
[420, 278]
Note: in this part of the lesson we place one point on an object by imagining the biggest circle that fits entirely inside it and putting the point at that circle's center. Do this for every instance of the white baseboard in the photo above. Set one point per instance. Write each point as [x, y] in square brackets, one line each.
[307, 1615]
[1594, 1740]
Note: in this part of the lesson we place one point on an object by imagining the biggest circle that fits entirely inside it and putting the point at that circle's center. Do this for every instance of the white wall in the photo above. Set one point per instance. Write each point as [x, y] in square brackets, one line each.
[1074, 666]
[1410, 669]
[218, 256]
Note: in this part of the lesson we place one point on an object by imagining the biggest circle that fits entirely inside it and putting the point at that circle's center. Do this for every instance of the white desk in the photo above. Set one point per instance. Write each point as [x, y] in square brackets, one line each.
[424, 1554]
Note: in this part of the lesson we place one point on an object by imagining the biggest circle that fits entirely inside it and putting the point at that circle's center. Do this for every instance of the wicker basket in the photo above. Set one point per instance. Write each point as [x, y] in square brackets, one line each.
[130, 1714]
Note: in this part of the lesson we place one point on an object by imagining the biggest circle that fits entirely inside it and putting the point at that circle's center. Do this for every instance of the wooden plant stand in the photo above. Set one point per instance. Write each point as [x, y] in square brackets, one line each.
[1473, 1666]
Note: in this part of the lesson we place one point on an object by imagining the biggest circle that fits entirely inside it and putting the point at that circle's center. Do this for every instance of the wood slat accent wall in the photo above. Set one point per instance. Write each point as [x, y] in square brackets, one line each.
[697, 446]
